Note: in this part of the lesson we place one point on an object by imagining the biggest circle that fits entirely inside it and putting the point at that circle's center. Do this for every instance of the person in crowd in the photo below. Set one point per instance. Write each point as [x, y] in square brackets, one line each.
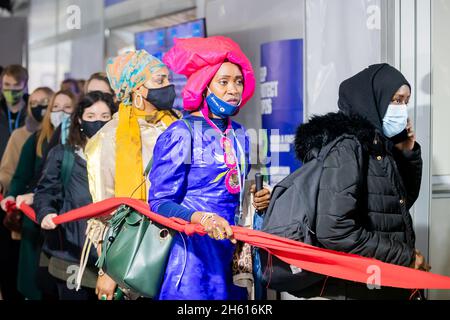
[63, 187]
[37, 106]
[13, 105]
[21, 190]
[71, 85]
[13, 101]
[119, 153]
[97, 82]
[199, 167]
[371, 178]
[81, 86]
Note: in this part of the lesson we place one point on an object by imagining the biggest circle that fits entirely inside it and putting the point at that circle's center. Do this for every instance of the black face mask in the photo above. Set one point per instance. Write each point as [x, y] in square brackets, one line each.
[90, 128]
[162, 98]
[38, 112]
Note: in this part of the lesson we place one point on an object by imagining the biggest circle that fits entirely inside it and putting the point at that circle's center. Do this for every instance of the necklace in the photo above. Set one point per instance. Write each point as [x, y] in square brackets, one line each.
[233, 175]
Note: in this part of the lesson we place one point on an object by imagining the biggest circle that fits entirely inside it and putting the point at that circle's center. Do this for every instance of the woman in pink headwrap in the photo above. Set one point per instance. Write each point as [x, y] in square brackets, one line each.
[200, 164]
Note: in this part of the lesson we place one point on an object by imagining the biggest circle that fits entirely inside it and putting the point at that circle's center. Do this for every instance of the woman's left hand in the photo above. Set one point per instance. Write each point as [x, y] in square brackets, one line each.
[25, 198]
[217, 227]
[408, 144]
[261, 199]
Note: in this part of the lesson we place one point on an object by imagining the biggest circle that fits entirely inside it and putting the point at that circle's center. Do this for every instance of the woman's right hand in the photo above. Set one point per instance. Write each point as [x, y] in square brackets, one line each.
[5, 200]
[47, 223]
[28, 199]
[105, 288]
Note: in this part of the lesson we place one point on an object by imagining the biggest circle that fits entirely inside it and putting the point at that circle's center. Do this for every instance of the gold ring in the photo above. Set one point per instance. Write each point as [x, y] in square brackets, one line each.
[220, 235]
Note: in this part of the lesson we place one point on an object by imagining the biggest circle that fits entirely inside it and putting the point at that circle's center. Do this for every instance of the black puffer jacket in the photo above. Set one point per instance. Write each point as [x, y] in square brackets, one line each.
[366, 190]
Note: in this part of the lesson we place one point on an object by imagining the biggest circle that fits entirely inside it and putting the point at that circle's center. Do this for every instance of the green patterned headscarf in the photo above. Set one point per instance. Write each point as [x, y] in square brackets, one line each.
[130, 71]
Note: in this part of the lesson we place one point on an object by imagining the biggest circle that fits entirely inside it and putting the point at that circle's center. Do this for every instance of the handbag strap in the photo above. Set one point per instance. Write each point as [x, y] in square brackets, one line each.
[94, 233]
[114, 227]
[148, 168]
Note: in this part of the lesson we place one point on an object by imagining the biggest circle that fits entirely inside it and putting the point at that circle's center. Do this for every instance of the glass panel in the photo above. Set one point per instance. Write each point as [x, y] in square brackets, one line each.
[441, 88]
[41, 20]
[64, 52]
[440, 79]
[42, 68]
[341, 40]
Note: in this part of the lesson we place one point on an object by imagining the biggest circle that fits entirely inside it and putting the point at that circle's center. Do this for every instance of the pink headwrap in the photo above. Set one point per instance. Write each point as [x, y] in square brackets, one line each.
[199, 59]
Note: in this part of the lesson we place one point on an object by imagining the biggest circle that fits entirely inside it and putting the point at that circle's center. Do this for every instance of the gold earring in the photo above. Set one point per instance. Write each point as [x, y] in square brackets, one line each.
[139, 105]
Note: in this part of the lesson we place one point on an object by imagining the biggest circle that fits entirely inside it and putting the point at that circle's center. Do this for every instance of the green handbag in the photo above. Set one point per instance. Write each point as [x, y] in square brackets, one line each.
[135, 252]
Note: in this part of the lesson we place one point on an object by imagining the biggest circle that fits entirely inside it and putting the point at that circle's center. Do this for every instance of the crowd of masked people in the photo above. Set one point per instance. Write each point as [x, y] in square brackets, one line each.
[96, 139]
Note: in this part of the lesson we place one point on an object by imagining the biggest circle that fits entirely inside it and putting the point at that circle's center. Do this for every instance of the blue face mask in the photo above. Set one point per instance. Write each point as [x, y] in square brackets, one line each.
[221, 108]
[395, 120]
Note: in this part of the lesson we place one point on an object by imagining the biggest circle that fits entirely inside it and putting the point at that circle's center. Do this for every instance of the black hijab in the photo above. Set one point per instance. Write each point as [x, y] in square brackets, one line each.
[369, 92]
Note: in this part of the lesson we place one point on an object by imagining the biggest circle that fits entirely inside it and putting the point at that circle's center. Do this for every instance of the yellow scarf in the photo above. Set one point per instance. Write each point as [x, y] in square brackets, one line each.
[129, 181]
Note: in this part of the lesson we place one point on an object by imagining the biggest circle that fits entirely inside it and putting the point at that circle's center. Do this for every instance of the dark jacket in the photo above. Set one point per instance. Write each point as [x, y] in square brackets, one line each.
[66, 241]
[366, 191]
[4, 122]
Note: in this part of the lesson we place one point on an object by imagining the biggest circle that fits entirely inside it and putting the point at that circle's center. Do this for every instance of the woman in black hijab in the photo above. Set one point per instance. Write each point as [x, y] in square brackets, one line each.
[370, 180]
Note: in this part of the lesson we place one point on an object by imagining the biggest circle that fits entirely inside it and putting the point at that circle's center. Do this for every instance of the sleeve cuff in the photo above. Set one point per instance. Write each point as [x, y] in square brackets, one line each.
[414, 153]
[40, 216]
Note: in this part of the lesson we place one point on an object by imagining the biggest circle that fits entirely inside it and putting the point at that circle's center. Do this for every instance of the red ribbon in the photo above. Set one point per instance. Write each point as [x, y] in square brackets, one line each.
[327, 262]
[10, 206]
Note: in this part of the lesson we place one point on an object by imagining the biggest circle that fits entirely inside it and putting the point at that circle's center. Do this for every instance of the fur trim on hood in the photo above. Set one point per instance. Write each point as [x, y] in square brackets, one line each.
[321, 130]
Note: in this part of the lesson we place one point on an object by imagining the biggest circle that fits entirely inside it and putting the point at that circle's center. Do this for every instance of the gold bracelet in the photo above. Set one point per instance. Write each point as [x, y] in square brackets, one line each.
[205, 217]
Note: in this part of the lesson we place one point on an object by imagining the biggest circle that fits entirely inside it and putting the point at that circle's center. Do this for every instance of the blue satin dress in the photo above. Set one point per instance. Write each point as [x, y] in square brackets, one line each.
[188, 169]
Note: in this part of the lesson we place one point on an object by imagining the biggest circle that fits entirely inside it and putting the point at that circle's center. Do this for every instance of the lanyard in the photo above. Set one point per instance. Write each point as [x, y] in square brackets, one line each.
[205, 115]
[239, 157]
[241, 175]
[16, 125]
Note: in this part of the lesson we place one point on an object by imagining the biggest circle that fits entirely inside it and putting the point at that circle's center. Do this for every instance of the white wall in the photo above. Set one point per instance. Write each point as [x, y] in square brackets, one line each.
[441, 86]
[65, 39]
[440, 243]
[57, 51]
[13, 37]
[251, 23]
[341, 40]
[440, 102]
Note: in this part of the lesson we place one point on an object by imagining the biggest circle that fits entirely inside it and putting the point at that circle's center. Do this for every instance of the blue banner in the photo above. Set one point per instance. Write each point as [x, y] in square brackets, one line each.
[281, 103]
[153, 41]
[108, 3]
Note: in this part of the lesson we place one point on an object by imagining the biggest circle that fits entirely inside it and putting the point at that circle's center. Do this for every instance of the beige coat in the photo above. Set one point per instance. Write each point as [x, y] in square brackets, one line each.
[10, 159]
[101, 156]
